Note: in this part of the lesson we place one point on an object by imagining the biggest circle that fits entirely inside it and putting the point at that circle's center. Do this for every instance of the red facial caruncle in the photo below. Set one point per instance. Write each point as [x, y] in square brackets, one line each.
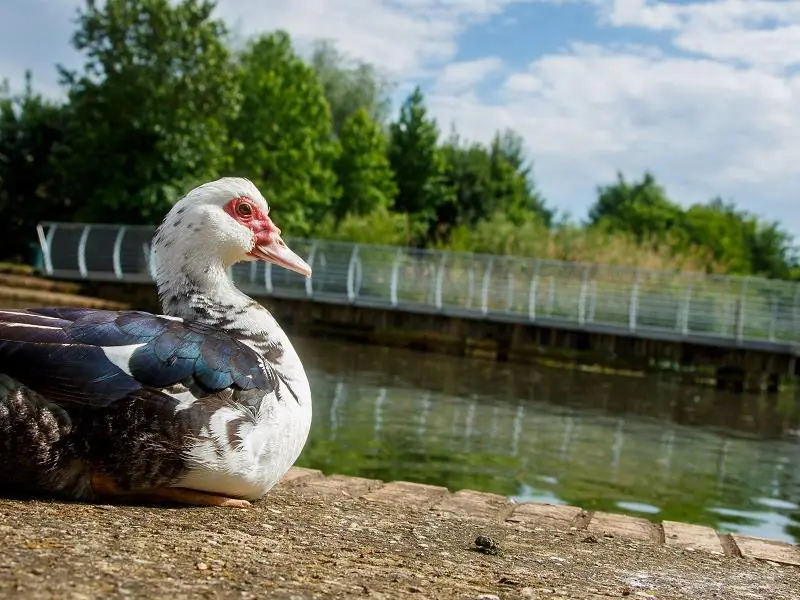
[246, 212]
[267, 242]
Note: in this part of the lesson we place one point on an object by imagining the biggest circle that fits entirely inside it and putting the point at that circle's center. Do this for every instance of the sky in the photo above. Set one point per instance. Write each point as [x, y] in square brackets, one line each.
[703, 93]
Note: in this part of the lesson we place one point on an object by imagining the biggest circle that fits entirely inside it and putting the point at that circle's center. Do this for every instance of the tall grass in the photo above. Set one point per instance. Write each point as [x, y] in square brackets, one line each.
[499, 235]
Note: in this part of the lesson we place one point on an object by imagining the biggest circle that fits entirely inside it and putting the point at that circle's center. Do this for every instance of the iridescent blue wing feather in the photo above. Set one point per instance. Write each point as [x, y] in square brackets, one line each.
[96, 357]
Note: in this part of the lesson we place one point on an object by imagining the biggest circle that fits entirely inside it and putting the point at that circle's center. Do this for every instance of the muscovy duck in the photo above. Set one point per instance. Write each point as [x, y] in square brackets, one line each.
[206, 404]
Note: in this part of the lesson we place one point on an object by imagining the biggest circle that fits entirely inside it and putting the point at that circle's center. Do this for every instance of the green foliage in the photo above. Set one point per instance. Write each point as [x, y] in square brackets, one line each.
[148, 109]
[418, 162]
[512, 180]
[641, 208]
[163, 102]
[735, 239]
[365, 175]
[350, 86]
[381, 226]
[32, 130]
[487, 181]
[283, 133]
[739, 239]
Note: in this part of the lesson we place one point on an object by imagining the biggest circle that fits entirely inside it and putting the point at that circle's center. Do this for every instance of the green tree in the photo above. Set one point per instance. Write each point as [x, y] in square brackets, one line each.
[641, 208]
[149, 108]
[486, 181]
[283, 134]
[363, 169]
[350, 85]
[468, 173]
[32, 129]
[738, 239]
[512, 180]
[417, 162]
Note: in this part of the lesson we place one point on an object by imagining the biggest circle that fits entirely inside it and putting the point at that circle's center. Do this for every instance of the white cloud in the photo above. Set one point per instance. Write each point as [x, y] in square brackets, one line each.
[716, 114]
[458, 76]
[765, 33]
[405, 37]
[702, 126]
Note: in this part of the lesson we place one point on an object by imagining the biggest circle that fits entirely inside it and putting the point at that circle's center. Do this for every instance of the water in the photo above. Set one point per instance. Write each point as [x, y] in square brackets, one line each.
[639, 446]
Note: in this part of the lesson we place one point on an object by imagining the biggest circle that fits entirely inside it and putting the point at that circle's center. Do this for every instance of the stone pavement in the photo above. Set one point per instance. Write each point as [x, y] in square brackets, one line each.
[317, 536]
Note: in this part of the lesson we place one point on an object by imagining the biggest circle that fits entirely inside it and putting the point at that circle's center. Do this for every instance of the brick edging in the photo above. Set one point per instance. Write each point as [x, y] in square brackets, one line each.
[497, 508]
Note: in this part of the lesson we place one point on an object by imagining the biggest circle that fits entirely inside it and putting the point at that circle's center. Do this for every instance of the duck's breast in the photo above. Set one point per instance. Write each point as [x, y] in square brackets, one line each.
[244, 450]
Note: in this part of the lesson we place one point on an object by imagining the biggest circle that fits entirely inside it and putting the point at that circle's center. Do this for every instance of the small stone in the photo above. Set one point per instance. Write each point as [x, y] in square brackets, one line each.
[414, 588]
[590, 539]
[201, 566]
[488, 597]
[487, 545]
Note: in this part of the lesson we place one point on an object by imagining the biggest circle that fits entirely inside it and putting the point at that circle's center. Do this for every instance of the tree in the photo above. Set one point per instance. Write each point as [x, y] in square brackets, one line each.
[350, 85]
[738, 239]
[283, 134]
[365, 175]
[468, 174]
[149, 108]
[31, 131]
[417, 162]
[641, 208]
[512, 182]
[487, 181]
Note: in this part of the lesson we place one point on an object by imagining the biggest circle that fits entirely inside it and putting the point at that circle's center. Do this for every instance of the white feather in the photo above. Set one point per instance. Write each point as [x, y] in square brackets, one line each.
[121, 356]
[24, 314]
[185, 399]
[28, 325]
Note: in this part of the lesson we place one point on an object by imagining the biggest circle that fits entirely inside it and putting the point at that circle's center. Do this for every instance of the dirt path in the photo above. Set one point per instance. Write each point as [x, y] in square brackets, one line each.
[319, 537]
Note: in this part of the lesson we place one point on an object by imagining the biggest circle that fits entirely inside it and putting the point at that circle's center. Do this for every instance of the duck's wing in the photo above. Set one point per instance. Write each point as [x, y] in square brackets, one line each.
[98, 357]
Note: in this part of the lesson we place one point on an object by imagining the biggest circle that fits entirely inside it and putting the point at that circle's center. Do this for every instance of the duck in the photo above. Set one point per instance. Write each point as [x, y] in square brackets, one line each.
[205, 404]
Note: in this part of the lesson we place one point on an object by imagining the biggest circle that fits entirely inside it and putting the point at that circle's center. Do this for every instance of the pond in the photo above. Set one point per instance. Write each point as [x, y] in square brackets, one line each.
[637, 445]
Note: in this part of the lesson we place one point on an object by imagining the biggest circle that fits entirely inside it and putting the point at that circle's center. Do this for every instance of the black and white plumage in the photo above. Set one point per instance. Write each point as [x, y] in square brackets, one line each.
[207, 403]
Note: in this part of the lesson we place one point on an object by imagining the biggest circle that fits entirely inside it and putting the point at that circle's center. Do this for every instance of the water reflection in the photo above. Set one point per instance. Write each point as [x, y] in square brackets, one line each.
[638, 445]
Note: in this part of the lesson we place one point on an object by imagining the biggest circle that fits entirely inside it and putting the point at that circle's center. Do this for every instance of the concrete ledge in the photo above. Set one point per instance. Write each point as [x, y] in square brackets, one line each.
[495, 508]
[317, 536]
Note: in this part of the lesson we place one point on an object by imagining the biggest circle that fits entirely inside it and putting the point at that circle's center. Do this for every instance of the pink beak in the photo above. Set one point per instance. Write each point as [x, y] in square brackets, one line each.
[278, 253]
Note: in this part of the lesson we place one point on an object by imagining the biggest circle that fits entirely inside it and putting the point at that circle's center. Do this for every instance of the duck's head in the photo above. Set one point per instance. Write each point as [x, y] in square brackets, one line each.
[226, 219]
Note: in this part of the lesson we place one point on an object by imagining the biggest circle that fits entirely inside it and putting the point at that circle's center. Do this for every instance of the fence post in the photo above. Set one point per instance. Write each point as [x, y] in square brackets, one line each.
[395, 276]
[510, 290]
[487, 278]
[685, 309]
[533, 290]
[633, 306]
[471, 282]
[773, 318]
[82, 251]
[740, 318]
[312, 254]
[439, 281]
[796, 312]
[351, 274]
[268, 277]
[582, 295]
[45, 241]
[118, 251]
[151, 264]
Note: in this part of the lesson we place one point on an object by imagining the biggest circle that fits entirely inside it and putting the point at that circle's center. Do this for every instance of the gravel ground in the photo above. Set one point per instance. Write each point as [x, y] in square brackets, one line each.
[301, 543]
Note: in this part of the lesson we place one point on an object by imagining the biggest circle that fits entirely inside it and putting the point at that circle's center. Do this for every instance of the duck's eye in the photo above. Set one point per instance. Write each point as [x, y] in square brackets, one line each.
[244, 210]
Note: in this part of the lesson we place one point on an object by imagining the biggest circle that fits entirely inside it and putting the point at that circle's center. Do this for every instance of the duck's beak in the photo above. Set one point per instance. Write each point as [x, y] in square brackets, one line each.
[278, 253]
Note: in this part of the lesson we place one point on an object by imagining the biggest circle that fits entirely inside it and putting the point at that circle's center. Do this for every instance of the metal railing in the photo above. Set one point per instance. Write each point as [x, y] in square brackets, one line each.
[719, 310]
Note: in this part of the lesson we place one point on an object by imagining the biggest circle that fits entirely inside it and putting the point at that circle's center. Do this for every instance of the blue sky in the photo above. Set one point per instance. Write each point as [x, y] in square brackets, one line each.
[705, 93]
